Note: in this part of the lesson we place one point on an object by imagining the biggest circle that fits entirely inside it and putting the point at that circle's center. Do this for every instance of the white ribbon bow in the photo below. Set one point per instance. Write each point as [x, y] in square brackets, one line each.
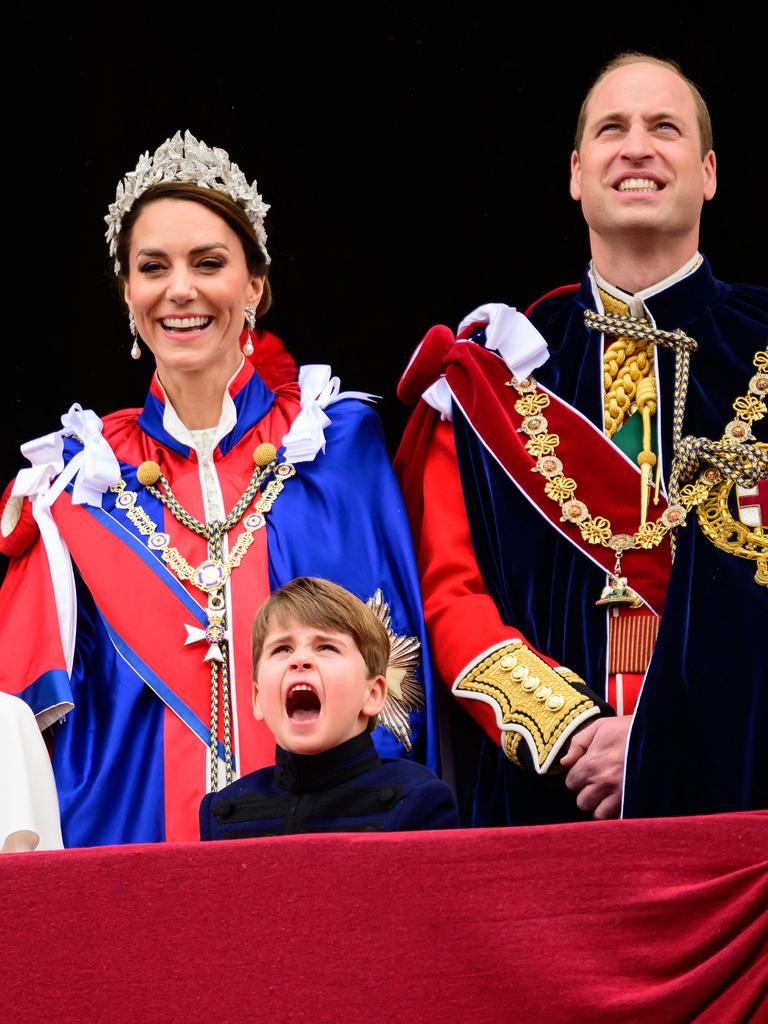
[318, 390]
[512, 335]
[438, 395]
[94, 469]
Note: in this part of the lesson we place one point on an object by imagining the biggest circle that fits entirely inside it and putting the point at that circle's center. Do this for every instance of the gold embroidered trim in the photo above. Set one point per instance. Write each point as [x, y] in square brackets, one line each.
[512, 741]
[568, 675]
[529, 693]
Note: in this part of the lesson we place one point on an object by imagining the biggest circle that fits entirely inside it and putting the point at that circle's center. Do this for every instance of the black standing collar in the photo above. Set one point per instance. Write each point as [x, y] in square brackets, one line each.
[309, 773]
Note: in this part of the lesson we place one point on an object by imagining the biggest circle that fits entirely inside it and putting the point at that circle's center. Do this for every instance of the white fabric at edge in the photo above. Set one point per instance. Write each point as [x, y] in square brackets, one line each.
[29, 805]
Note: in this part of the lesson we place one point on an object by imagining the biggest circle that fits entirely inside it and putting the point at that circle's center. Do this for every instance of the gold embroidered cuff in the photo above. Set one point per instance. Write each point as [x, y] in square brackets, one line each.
[533, 702]
[511, 742]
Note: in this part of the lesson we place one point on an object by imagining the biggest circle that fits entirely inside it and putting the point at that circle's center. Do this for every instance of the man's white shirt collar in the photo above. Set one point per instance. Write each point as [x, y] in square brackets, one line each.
[636, 302]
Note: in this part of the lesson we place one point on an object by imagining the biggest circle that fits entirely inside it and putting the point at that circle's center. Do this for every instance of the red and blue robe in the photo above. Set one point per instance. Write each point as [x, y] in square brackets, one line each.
[130, 752]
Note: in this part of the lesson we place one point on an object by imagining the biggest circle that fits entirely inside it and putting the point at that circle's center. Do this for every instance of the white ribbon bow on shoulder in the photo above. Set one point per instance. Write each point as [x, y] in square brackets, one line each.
[318, 390]
[507, 332]
[512, 335]
[93, 470]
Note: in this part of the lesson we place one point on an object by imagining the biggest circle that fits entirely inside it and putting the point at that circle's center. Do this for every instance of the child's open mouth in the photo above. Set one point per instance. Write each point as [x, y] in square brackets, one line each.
[302, 703]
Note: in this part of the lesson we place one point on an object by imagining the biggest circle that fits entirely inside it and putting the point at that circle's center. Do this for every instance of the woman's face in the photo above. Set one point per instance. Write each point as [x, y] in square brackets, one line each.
[188, 285]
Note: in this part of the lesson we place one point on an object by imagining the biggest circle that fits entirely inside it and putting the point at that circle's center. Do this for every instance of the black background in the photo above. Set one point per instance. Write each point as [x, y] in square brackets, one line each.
[416, 163]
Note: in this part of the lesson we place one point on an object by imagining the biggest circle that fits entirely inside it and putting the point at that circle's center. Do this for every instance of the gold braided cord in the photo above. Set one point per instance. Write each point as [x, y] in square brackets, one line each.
[627, 361]
[614, 323]
[733, 456]
[682, 345]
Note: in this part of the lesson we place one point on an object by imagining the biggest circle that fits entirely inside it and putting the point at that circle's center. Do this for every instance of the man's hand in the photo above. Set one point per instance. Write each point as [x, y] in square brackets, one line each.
[595, 760]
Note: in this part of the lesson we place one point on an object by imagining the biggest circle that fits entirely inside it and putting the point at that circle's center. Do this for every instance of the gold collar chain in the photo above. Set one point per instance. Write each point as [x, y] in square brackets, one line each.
[734, 452]
[211, 575]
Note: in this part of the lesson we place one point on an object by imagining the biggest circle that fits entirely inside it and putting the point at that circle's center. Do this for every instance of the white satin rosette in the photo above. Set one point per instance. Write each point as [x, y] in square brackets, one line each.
[319, 390]
[508, 332]
[92, 471]
[512, 335]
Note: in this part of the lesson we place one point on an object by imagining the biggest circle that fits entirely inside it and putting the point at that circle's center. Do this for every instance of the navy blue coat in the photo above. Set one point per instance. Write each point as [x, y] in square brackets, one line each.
[346, 789]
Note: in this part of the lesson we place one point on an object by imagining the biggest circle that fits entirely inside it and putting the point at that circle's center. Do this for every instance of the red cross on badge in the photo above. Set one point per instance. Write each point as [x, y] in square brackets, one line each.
[753, 504]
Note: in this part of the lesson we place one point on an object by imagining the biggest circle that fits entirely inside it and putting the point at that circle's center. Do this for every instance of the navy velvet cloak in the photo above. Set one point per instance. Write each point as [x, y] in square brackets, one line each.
[699, 740]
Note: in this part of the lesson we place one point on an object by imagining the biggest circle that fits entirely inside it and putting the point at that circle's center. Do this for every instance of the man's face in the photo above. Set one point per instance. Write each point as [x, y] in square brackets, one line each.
[639, 170]
[312, 687]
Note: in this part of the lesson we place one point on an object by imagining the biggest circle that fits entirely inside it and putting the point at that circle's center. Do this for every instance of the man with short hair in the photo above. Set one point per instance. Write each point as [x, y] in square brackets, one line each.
[593, 495]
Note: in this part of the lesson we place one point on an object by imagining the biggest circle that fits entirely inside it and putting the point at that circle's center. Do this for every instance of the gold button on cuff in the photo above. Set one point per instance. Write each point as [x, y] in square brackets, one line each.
[508, 662]
[530, 684]
[555, 702]
[543, 692]
[519, 673]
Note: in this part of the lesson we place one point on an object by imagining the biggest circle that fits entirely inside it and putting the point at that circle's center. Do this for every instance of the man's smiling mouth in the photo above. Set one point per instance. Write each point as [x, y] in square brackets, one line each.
[302, 703]
[638, 185]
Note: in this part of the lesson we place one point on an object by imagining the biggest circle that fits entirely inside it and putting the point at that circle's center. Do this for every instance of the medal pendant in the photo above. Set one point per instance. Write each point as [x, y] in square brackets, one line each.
[616, 593]
[216, 632]
[210, 576]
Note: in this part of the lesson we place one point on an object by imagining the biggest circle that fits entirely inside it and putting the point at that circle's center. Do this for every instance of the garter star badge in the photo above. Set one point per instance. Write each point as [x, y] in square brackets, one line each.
[405, 692]
[735, 519]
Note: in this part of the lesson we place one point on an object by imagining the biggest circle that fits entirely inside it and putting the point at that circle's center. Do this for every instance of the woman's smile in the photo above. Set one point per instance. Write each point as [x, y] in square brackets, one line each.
[188, 285]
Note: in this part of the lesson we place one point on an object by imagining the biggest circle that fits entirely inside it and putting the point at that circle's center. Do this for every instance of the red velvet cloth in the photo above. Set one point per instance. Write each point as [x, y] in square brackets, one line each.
[271, 359]
[662, 921]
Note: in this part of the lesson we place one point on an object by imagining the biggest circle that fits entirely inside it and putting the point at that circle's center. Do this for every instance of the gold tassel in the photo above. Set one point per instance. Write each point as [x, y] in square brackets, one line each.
[646, 404]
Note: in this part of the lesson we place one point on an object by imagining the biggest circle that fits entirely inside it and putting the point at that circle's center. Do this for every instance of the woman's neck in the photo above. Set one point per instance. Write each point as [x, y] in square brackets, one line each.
[197, 397]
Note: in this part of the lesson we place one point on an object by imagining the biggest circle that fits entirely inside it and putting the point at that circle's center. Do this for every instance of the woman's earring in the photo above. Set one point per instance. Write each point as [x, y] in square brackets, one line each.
[135, 350]
[250, 319]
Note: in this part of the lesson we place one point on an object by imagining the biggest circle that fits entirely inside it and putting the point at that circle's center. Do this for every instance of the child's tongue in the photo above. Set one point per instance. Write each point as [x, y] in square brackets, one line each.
[304, 715]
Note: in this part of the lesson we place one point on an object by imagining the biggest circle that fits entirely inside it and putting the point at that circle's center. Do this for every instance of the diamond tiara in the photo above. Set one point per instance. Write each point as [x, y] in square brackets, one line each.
[186, 159]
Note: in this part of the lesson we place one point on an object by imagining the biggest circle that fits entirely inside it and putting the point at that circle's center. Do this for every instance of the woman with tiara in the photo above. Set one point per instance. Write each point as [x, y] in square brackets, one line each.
[142, 544]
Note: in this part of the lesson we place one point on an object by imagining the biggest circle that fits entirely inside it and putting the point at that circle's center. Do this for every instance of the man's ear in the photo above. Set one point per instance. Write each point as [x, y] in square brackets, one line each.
[377, 695]
[258, 714]
[575, 176]
[710, 175]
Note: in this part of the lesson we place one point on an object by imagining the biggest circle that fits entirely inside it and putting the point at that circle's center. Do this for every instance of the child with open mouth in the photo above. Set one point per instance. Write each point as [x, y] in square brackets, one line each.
[320, 661]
